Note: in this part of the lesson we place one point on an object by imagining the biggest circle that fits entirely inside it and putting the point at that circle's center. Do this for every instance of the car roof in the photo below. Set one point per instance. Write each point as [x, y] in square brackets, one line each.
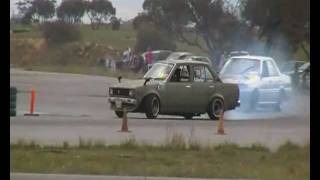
[181, 53]
[178, 61]
[199, 57]
[261, 58]
[158, 51]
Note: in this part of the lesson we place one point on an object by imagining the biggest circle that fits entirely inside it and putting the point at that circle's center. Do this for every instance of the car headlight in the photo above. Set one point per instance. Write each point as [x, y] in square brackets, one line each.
[110, 91]
[131, 93]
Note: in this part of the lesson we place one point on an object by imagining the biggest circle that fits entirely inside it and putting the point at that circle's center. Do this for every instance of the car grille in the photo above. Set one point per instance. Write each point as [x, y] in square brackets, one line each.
[120, 92]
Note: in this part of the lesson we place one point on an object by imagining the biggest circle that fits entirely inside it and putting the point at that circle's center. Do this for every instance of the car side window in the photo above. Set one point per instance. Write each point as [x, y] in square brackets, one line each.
[272, 69]
[202, 74]
[265, 72]
[181, 74]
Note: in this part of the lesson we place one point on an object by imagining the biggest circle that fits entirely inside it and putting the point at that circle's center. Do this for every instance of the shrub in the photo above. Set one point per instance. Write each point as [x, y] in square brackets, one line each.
[60, 32]
[149, 36]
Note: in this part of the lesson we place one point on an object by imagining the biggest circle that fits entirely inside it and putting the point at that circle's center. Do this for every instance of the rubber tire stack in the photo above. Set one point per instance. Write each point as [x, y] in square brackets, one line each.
[13, 101]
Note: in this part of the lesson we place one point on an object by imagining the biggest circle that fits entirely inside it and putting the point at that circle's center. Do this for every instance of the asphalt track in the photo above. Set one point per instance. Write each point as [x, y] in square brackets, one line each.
[73, 106]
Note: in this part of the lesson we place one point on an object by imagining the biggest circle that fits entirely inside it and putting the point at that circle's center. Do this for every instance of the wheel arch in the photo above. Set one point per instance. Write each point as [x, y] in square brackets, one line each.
[217, 95]
[141, 105]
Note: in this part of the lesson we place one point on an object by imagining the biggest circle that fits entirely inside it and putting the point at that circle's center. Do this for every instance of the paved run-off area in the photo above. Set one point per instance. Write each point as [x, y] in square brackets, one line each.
[75, 106]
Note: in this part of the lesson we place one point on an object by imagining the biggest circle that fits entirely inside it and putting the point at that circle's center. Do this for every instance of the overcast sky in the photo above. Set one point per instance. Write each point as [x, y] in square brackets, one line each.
[126, 9]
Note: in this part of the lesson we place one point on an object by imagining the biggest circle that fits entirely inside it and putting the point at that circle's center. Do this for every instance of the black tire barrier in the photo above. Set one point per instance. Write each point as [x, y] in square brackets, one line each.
[13, 112]
[13, 101]
[13, 98]
[13, 90]
[13, 105]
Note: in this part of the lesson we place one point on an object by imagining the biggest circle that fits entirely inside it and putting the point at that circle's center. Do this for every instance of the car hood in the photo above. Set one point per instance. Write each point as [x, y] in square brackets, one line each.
[131, 84]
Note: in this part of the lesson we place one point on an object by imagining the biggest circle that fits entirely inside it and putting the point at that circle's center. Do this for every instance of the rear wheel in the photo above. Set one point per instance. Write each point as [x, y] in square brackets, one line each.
[216, 107]
[119, 114]
[250, 104]
[277, 106]
[152, 106]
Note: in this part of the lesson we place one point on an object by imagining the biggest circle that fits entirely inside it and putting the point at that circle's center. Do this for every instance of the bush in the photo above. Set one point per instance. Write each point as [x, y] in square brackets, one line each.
[115, 24]
[60, 32]
[149, 36]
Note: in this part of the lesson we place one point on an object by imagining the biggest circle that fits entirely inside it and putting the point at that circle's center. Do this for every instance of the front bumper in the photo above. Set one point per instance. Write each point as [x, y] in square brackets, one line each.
[129, 103]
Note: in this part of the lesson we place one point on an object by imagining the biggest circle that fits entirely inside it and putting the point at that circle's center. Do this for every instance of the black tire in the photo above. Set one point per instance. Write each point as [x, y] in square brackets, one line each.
[215, 108]
[13, 98]
[277, 106]
[119, 114]
[250, 104]
[152, 106]
[188, 116]
[13, 112]
[13, 90]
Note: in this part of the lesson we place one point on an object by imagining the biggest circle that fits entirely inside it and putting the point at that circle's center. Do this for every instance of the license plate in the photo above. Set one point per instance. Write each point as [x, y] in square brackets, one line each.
[118, 103]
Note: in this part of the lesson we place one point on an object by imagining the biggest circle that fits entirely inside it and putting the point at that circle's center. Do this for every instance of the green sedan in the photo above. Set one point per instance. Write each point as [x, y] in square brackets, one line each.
[175, 87]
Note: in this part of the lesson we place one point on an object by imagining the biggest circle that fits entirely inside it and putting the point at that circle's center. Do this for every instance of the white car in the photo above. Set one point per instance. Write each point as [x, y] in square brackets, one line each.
[178, 55]
[200, 58]
[259, 79]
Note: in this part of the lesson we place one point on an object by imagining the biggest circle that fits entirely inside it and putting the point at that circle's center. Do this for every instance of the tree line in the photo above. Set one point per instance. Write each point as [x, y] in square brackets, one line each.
[69, 11]
[222, 25]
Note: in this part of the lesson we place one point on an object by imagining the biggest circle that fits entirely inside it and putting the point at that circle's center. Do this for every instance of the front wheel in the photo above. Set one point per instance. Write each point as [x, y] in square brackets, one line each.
[216, 107]
[277, 106]
[188, 116]
[250, 103]
[152, 106]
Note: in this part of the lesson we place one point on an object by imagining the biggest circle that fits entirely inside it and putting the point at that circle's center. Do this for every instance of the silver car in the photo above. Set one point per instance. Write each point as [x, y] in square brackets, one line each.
[259, 79]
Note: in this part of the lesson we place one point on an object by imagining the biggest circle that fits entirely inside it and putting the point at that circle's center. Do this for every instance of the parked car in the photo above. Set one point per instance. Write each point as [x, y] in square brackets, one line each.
[158, 55]
[199, 58]
[288, 67]
[178, 55]
[260, 81]
[304, 76]
[175, 87]
[238, 53]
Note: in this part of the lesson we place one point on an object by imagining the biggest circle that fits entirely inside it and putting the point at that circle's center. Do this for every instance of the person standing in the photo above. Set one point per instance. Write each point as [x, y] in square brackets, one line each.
[149, 58]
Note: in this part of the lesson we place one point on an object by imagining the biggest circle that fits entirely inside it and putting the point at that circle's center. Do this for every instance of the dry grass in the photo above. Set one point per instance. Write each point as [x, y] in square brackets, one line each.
[174, 158]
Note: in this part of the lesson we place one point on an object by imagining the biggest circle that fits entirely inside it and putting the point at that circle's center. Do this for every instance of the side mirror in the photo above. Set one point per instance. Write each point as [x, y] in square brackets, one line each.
[119, 79]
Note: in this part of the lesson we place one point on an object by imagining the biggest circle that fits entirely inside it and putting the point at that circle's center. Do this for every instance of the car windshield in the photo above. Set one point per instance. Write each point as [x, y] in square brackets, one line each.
[159, 71]
[241, 66]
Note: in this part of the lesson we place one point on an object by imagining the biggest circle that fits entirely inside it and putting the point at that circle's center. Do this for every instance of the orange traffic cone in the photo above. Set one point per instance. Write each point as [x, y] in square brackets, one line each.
[32, 103]
[124, 126]
[220, 130]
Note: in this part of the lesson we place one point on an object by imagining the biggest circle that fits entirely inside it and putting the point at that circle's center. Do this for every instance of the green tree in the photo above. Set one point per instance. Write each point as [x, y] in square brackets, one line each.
[115, 23]
[280, 19]
[99, 11]
[41, 10]
[215, 23]
[149, 36]
[71, 11]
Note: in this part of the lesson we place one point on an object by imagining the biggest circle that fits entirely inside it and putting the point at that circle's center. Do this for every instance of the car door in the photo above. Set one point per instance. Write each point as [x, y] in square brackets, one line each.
[178, 91]
[202, 87]
[269, 88]
[276, 81]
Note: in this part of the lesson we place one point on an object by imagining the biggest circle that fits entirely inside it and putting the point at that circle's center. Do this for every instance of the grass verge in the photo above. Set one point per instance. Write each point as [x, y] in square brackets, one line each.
[290, 161]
